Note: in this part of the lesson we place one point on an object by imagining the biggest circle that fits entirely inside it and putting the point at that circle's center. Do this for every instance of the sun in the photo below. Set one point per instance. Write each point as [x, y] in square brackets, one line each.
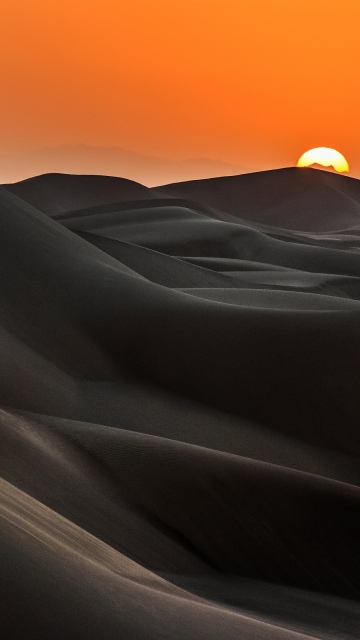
[326, 157]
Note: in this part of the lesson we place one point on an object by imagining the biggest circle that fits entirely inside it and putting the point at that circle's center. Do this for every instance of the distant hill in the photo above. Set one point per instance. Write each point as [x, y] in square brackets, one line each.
[320, 167]
[109, 161]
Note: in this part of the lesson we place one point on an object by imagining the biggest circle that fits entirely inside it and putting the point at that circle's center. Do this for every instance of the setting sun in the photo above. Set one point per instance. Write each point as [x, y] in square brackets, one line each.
[326, 157]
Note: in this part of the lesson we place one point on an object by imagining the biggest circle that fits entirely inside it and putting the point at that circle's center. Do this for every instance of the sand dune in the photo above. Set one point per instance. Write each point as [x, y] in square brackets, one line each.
[57, 193]
[180, 411]
[109, 161]
[295, 199]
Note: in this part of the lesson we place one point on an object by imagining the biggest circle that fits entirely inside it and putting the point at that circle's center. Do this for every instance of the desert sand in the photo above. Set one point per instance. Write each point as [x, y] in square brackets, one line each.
[180, 408]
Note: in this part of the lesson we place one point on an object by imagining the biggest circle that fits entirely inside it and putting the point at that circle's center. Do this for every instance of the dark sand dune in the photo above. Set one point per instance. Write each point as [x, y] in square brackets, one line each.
[296, 199]
[56, 193]
[179, 428]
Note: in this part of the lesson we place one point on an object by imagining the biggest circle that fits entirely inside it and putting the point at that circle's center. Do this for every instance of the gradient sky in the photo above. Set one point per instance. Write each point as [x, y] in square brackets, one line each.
[252, 82]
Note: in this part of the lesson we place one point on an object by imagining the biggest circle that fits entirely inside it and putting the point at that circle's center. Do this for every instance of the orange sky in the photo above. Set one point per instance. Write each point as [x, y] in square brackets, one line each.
[253, 82]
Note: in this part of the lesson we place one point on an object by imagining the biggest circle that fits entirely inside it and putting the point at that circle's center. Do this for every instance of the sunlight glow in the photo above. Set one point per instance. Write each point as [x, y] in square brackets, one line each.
[326, 157]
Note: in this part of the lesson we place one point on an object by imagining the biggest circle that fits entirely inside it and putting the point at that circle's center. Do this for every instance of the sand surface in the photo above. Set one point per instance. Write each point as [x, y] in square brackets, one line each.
[180, 408]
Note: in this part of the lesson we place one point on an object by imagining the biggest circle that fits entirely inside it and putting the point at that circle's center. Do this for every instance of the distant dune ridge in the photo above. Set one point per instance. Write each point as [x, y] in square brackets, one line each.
[110, 161]
[180, 408]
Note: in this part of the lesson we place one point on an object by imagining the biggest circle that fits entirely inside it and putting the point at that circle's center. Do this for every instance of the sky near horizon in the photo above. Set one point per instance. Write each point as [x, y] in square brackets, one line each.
[252, 82]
